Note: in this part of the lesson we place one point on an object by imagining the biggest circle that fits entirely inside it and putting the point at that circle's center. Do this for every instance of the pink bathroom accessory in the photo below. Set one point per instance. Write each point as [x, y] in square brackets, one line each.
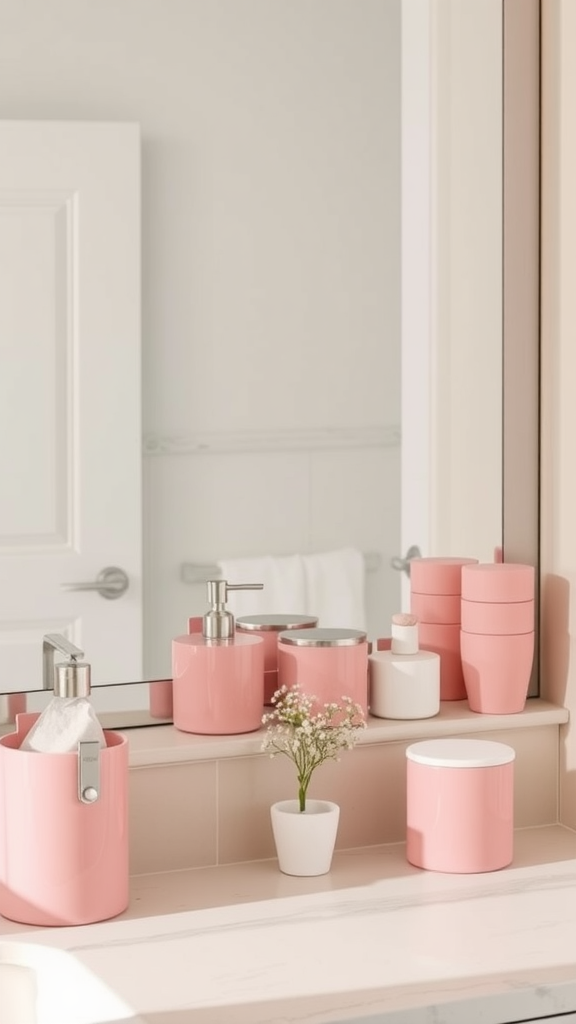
[498, 582]
[438, 575]
[497, 637]
[497, 618]
[435, 599]
[440, 609]
[218, 689]
[328, 663]
[460, 805]
[268, 628]
[217, 673]
[63, 848]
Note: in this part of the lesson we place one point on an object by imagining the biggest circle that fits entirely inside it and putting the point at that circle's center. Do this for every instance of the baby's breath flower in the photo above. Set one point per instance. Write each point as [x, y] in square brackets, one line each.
[309, 737]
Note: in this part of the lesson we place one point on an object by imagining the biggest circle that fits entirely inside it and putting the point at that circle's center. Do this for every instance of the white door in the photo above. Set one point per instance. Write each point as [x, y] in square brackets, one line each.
[70, 432]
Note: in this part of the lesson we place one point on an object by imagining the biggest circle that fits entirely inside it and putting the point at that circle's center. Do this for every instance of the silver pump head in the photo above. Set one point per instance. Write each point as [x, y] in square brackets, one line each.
[69, 678]
[218, 622]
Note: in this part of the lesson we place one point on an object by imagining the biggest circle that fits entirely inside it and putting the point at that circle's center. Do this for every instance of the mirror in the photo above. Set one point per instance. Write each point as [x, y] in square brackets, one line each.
[301, 169]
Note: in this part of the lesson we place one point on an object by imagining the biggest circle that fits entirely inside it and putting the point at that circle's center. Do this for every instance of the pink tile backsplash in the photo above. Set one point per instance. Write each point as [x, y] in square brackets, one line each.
[217, 812]
[173, 817]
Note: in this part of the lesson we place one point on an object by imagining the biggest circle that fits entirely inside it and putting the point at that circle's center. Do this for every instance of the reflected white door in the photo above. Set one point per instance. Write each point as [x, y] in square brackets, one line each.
[70, 422]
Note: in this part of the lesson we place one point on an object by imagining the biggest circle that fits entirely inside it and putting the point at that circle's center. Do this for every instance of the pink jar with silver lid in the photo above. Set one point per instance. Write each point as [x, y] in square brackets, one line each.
[328, 663]
[268, 627]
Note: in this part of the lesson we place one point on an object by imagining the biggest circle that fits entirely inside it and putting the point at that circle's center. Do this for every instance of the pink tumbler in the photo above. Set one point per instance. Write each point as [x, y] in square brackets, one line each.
[63, 831]
[497, 637]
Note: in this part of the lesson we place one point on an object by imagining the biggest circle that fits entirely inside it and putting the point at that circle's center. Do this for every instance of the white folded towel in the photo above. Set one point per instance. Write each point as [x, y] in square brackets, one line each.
[284, 590]
[335, 585]
[329, 584]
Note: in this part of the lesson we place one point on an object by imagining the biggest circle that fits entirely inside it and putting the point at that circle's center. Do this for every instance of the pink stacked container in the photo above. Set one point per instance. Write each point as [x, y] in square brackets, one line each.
[435, 599]
[497, 637]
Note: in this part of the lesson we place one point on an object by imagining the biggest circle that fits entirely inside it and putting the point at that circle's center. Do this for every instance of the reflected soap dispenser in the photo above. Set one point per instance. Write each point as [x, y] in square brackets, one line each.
[218, 674]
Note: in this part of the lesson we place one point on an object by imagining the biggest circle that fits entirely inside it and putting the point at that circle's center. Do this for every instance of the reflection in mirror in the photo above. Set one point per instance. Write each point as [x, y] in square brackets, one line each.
[278, 145]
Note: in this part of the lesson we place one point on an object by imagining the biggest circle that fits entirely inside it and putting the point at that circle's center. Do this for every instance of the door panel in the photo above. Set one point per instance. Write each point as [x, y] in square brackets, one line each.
[70, 448]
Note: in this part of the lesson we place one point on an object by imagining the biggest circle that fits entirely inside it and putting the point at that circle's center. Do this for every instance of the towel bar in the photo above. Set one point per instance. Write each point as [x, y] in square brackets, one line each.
[190, 572]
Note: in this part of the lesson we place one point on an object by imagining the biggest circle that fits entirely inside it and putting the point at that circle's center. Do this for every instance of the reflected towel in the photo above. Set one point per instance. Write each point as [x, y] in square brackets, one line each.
[335, 588]
[284, 585]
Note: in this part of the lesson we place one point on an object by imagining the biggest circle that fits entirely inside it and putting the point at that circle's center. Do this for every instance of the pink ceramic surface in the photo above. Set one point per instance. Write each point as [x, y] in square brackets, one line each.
[498, 581]
[329, 673]
[437, 575]
[267, 627]
[497, 671]
[499, 618]
[270, 685]
[62, 862]
[160, 699]
[459, 819]
[445, 641]
[218, 687]
[436, 608]
[270, 641]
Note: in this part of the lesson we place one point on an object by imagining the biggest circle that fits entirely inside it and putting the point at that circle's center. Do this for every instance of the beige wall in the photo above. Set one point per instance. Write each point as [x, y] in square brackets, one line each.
[558, 459]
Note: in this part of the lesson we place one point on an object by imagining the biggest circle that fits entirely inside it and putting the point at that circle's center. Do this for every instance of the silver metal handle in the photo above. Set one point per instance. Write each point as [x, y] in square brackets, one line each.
[403, 564]
[110, 583]
[88, 771]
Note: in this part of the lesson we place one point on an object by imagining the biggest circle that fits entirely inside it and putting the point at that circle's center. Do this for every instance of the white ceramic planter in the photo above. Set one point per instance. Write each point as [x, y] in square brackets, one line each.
[305, 840]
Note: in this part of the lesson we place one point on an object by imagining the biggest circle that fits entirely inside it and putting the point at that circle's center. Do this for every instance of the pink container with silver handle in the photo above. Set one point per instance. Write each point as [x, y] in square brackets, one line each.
[63, 831]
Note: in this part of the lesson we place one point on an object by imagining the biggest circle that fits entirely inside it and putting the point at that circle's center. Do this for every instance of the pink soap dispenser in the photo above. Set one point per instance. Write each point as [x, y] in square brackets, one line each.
[218, 674]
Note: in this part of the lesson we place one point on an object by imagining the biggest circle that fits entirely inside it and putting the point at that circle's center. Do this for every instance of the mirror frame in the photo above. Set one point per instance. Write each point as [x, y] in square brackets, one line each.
[520, 291]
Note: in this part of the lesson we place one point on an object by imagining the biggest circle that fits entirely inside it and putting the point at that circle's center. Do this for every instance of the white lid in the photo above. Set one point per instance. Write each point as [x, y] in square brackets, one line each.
[458, 753]
[404, 634]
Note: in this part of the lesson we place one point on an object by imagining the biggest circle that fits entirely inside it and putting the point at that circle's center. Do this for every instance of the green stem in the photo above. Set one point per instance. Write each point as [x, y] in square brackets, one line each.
[302, 796]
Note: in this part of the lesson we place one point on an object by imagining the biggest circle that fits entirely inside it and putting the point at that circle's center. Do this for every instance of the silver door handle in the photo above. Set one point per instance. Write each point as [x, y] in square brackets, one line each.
[110, 583]
[403, 564]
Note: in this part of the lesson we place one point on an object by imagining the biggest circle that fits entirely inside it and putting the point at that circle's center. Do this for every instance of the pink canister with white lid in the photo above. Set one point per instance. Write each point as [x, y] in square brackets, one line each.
[460, 805]
[63, 845]
[327, 663]
[268, 627]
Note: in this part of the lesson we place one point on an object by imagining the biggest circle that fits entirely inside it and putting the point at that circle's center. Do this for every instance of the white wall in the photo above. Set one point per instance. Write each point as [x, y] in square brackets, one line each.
[271, 232]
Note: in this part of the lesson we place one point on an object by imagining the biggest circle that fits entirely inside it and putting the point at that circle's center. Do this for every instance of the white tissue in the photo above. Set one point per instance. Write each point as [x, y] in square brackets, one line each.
[63, 725]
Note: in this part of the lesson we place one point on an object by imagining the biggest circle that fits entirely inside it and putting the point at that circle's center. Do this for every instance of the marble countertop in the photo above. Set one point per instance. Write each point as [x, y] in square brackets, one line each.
[244, 944]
